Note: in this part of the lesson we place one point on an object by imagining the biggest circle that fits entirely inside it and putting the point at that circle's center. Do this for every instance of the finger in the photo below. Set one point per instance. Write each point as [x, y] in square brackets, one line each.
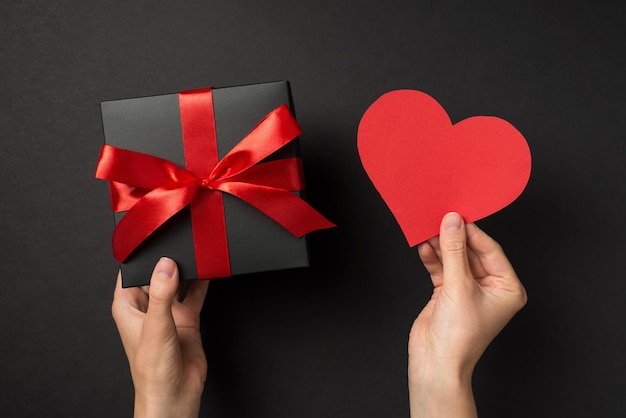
[159, 322]
[431, 261]
[452, 241]
[196, 295]
[131, 297]
[474, 261]
[490, 253]
[500, 271]
[476, 267]
[434, 242]
[128, 310]
[118, 293]
[145, 289]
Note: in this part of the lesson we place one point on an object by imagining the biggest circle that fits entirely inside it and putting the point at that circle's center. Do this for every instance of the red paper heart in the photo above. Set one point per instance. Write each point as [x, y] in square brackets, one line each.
[423, 166]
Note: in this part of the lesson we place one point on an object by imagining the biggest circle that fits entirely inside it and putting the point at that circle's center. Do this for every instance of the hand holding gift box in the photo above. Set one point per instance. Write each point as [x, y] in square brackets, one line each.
[162, 198]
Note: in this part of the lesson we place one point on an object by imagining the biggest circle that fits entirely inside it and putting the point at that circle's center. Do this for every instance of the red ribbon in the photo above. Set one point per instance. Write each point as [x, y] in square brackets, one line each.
[153, 189]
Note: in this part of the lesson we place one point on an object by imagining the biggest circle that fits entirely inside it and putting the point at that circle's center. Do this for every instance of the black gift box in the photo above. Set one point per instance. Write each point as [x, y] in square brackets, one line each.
[152, 125]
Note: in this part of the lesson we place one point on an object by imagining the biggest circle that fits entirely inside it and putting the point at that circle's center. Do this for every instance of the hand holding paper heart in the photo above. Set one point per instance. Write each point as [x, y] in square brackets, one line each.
[423, 166]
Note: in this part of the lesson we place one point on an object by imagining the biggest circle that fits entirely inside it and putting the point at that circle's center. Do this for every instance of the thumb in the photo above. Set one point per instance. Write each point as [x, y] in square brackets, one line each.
[163, 288]
[453, 244]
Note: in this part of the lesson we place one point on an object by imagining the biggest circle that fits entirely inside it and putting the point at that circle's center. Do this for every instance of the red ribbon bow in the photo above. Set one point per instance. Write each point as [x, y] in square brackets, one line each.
[153, 189]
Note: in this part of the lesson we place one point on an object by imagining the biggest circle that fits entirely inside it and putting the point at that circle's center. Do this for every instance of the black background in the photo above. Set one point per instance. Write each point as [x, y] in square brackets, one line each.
[328, 341]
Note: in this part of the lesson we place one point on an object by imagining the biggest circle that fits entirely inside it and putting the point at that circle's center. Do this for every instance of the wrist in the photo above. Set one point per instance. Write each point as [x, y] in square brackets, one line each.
[185, 407]
[440, 390]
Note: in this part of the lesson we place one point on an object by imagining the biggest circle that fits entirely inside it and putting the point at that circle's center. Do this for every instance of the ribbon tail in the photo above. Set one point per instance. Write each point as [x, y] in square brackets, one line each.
[283, 174]
[148, 214]
[287, 209]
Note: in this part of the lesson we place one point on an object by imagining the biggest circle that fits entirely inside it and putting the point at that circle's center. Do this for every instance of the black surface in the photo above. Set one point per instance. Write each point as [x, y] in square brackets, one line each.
[330, 340]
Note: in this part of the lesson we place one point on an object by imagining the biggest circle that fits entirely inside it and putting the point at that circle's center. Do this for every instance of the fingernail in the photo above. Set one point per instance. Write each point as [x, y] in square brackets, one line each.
[452, 222]
[165, 268]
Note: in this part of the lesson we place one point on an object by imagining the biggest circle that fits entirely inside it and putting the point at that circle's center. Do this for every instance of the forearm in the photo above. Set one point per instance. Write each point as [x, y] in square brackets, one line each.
[435, 393]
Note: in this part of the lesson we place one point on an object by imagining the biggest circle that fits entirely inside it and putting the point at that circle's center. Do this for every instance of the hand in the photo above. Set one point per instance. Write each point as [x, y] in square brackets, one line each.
[476, 293]
[161, 338]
